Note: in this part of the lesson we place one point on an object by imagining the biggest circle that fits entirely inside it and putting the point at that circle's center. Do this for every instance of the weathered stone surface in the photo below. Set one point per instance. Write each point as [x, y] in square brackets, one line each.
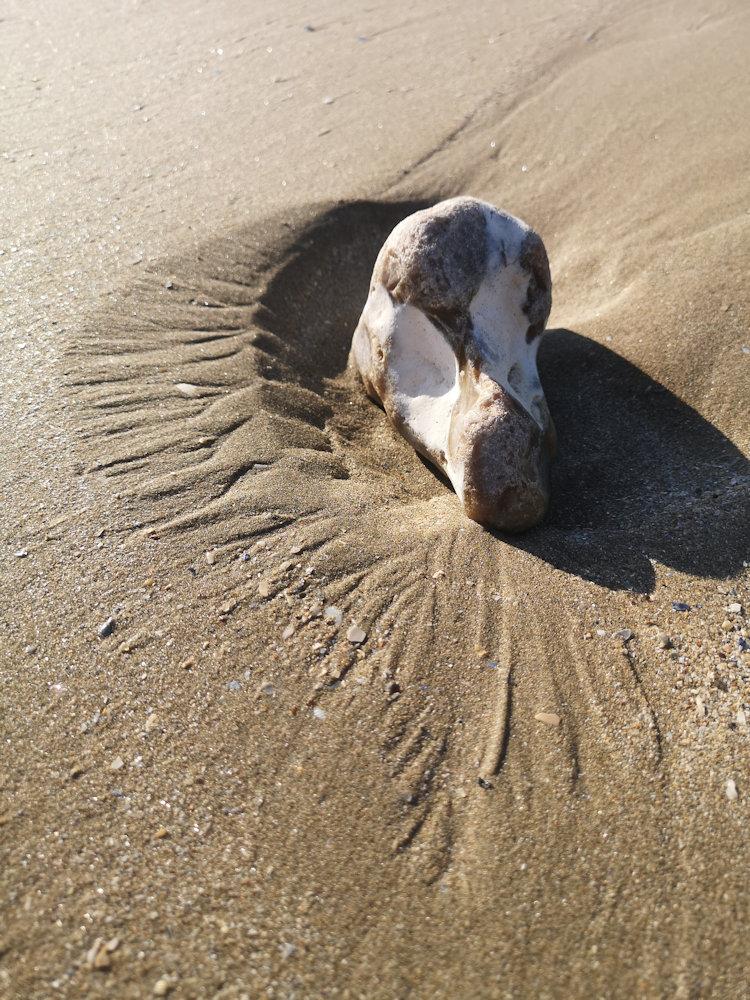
[447, 343]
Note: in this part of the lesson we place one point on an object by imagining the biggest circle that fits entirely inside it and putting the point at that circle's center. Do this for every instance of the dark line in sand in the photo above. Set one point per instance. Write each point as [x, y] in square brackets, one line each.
[497, 745]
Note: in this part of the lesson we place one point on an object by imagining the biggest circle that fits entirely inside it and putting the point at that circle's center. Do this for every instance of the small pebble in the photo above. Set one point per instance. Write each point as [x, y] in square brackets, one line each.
[210, 557]
[97, 957]
[21, 553]
[319, 713]
[117, 764]
[663, 640]
[356, 635]
[234, 686]
[107, 628]
[680, 606]
[734, 609]
[548, 718]
[188, 390]
[625, 634]
[162, 987]
[731, 790]
[288, 632]
[333, 614]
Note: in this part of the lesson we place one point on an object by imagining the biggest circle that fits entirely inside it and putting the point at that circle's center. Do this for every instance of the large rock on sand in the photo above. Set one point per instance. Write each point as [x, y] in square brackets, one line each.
[447, 343]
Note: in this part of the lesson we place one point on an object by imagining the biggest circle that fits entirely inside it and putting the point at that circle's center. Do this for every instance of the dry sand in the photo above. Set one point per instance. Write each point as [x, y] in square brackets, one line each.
[531, 778]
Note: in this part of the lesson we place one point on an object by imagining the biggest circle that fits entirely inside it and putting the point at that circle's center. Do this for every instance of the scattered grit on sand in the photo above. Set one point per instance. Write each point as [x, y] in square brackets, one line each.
[278, 720]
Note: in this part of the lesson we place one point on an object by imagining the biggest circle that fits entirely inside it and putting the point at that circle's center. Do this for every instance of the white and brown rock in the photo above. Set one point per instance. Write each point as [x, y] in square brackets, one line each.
[447, 343]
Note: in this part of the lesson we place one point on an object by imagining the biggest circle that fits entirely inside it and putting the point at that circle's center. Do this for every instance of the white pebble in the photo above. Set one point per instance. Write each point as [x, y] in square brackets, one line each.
[356, 635]
[333, 614]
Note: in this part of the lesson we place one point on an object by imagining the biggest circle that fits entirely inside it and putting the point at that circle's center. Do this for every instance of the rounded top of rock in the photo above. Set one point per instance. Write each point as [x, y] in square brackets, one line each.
[437, 258]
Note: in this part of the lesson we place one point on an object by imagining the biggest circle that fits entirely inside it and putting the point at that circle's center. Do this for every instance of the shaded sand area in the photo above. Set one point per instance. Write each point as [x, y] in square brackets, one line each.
[531, 777]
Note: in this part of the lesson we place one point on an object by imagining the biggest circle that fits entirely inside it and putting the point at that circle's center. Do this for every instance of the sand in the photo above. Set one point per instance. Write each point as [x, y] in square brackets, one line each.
[530, 777]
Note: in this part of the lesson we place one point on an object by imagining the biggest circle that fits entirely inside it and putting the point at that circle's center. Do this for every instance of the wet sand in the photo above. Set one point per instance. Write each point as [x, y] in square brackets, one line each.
[531, 776]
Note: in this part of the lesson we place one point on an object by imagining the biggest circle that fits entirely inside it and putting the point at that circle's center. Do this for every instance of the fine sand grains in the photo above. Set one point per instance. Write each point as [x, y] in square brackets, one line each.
[278, 719]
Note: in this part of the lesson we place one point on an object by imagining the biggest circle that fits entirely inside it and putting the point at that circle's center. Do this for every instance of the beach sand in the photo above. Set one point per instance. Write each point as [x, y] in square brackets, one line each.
[530, 779]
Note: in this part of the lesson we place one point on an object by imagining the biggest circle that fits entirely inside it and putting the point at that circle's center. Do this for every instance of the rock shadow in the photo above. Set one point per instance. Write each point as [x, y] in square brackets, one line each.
[314, 301]
[639, 475]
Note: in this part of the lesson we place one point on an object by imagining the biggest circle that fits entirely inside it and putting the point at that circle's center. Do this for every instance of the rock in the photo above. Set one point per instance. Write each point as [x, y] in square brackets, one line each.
[162, 987]
[356, 635]
[188, 390]
[625, 634]
[288, 632]
[734, 609]
[447, 342]
[97, 957]
[128, 645]
[333, 614]
[680, 606]
[21, 553]
[117, 764]
[731, 790]
[319, 713]
[548, 718]
[663, 641]
[107, 628]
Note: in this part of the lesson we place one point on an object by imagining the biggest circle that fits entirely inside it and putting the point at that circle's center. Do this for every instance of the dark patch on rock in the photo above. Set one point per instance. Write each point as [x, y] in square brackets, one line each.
[439, 265]
[533, 258]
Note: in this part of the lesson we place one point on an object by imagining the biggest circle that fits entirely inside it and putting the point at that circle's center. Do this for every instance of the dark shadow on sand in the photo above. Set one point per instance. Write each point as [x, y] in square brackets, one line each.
[639, 475]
